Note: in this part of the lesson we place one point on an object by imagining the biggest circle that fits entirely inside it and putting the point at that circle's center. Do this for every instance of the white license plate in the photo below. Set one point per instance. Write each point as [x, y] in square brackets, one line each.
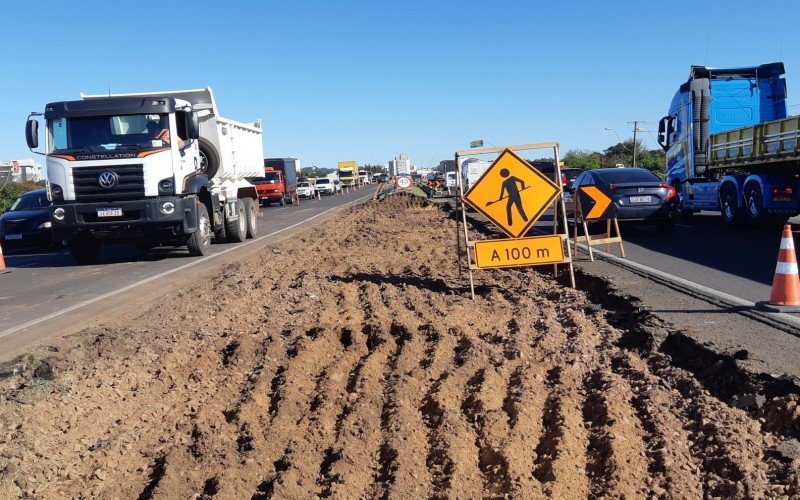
[640, 199]
[13, 236]
[109, 212]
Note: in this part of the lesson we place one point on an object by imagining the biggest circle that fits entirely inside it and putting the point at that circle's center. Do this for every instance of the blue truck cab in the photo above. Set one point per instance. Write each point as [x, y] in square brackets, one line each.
[717, 157]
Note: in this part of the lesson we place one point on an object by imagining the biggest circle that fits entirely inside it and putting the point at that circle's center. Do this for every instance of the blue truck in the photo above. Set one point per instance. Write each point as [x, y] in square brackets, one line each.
[730, 146]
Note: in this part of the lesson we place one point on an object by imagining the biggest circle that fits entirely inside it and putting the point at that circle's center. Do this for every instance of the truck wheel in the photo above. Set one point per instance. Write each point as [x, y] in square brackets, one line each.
[754, 202]
[237, 229]
[250, 209]
[681, 203]
[729, 205]
[199, 242]
[84, 251]
[282, 201]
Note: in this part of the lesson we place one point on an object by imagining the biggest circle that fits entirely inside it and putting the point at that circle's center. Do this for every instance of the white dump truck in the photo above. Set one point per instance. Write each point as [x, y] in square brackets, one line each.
[155, 168]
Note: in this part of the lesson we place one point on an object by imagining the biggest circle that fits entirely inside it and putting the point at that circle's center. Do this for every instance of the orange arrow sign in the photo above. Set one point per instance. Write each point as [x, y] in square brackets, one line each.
[601, 202]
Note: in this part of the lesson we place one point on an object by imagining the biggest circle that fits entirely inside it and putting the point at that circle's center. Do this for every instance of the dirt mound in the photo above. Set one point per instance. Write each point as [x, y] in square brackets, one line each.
[348, 362]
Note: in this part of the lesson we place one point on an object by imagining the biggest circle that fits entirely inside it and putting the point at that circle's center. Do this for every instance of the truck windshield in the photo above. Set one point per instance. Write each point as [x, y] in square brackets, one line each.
[101, 134]
[272, 178]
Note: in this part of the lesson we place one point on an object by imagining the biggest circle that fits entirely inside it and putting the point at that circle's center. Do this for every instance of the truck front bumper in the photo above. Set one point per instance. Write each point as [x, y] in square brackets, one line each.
[163, 217]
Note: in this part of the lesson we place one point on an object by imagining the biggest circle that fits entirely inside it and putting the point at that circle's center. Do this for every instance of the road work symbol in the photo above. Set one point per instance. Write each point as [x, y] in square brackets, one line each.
[512, 194]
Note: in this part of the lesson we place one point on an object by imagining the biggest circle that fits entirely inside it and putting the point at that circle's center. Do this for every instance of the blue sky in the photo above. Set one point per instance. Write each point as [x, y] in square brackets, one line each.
[365, 81]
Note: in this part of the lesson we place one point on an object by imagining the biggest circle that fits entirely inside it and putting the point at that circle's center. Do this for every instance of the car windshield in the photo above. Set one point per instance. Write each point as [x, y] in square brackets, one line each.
[103, 134]
[303, 184]
[30, 202]
[322, 181]
[622, 175]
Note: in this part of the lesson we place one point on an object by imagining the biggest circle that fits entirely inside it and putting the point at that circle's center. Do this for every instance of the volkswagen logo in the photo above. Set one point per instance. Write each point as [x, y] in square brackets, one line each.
[107, 179]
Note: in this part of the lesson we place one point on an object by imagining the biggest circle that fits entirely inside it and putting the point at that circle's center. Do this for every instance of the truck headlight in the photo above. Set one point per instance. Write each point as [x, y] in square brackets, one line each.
[45, 225]
[166, 186]
[59, 213]
[167, 207]
[56, 193]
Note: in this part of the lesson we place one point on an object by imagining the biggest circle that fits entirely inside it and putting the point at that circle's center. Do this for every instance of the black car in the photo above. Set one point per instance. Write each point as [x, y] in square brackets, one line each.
[27, 222]
[639, 195]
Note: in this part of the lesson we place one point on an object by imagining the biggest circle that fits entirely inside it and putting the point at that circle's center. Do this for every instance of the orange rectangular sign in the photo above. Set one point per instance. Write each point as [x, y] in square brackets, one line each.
[519, 252]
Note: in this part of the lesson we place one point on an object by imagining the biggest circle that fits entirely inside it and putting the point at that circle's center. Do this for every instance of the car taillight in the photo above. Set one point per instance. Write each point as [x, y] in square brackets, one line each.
[670, 191]
[563, 179]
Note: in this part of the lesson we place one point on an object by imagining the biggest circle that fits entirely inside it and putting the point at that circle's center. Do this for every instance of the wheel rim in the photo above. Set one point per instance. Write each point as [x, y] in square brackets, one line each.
[205, 231]
[754, 203]
[252, 220]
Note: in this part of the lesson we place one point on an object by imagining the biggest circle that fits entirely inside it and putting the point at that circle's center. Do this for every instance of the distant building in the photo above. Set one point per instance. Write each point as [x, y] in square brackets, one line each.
[447, 166]
[20, 170]
[400, 165]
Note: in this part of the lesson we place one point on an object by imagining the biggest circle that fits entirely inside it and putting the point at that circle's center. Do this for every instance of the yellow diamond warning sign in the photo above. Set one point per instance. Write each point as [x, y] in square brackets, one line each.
[512, 194]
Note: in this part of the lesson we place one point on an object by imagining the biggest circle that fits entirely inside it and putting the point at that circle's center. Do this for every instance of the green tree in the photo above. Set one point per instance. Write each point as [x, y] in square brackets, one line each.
[582, 158]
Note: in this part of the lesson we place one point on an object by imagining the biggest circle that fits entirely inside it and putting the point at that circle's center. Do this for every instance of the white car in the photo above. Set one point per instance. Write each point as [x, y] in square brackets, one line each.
[305, 190]
[324, 186]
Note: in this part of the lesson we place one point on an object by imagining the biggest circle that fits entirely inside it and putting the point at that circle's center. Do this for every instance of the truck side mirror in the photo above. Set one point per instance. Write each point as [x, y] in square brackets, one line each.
[666, 127]
[32, 133]
[192, 126]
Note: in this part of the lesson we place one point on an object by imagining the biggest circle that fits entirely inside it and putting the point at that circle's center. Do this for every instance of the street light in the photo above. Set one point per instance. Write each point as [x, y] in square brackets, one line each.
[614, 130]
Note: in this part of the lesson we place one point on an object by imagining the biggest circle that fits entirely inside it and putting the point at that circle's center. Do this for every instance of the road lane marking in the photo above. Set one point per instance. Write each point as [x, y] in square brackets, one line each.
[85, 303]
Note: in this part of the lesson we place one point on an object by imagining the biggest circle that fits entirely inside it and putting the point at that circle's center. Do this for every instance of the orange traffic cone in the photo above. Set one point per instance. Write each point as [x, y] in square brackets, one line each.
[2, 260]
[786, 285]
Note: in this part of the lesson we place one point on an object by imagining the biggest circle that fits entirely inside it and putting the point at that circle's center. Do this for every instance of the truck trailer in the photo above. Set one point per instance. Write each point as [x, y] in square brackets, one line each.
[730, 146]
[154, 168]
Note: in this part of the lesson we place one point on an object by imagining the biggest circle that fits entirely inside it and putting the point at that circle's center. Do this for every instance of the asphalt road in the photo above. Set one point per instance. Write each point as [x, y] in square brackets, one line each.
[40, 288]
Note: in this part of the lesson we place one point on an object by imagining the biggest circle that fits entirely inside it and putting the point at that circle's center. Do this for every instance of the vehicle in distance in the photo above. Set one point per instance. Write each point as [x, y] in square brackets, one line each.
[364, 177]
[639, 196]
[383, 177]
[305, 190]
[450, 180]
[282, 174]
[337, 186]
[568, 175]
[348, 173]
[324, 186]
[27, 222]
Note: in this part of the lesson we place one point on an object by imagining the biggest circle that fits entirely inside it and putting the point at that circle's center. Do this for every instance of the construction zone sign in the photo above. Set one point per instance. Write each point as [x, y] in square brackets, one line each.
[514, 195]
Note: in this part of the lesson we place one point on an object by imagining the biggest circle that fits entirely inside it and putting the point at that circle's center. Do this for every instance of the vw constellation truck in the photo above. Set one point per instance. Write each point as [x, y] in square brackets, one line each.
[731, 148]
[160, 168]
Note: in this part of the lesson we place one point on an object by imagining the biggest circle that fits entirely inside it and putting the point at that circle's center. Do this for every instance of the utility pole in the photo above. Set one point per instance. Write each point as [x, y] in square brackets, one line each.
[635, 129]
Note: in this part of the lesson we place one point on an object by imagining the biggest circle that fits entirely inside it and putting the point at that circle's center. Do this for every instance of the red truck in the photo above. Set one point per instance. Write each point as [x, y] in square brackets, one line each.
[279, 183]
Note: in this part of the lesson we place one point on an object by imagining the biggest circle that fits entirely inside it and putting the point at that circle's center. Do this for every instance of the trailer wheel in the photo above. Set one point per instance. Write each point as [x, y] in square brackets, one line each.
[754, 201]
[84, 251]
[729, 204]
[237, 229]
[199, 242]
[250, 209]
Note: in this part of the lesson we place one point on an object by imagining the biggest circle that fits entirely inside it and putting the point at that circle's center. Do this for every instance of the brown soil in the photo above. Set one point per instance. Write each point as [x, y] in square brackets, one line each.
[350, 362]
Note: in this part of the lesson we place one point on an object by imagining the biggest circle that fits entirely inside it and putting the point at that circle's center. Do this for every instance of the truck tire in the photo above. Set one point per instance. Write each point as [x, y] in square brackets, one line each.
[199, 242]
[729, 205]
[209, 159]
[84, 251]
[237, 229]
[682, 212]
[282, 201]
[754, 204]
[252, 213]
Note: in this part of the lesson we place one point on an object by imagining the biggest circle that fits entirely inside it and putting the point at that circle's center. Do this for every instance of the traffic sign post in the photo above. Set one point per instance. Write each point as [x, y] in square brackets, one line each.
[594, 204]
[403, 182]
[513, 195]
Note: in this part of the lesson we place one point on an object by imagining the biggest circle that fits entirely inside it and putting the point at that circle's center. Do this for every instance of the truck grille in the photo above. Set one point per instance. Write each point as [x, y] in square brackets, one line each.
[129, 183]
